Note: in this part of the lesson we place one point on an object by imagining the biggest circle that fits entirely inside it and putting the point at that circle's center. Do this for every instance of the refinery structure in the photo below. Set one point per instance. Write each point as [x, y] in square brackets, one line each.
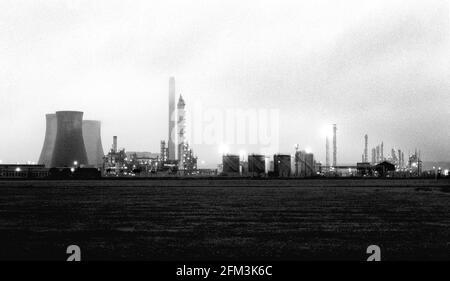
[73, 148]
[175, 158]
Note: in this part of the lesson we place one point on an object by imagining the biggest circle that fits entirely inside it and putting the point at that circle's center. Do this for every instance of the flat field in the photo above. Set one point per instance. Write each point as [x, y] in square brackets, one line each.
[233, 219]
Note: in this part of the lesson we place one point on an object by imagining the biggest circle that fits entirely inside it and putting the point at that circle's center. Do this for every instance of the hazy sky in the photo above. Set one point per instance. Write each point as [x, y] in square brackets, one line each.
[375, 67]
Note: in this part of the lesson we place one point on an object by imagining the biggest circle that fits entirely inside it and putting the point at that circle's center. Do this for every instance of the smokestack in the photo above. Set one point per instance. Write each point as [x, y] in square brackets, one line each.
[334, 146]
[69, 147]
[327, 156]
[49, 142]
[378, 154]
[93, 142]
[114, 147]
[382, 151]
[374, 156]
[366, 152]
[172, 118]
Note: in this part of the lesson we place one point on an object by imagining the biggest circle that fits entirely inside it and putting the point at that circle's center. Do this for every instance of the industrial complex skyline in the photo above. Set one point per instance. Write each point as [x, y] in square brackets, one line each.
[358, 70]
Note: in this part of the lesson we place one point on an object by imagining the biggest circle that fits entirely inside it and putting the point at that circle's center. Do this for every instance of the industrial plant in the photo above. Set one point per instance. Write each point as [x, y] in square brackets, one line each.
[73, 149]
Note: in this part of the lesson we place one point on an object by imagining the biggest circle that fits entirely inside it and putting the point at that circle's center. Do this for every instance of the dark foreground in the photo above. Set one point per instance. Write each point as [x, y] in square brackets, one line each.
[225, 219]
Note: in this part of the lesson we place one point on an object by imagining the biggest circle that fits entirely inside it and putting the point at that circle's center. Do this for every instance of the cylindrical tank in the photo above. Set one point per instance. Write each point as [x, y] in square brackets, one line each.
[69, 144]
[49, 142]
[309, 161]
[282, 165]
[256, 165]
[93, 142]
[230, 164]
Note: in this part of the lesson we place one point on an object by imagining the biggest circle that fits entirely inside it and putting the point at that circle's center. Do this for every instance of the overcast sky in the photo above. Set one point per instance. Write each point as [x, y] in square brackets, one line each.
[375, 67]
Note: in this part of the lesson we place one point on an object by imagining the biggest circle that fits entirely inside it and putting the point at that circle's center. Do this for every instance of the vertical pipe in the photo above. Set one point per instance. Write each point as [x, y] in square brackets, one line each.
[366, 143]
[334, 146]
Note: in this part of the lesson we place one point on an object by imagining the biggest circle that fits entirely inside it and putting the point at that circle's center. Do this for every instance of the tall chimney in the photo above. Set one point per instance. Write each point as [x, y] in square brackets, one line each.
[334, 146]
[327, 156]
[366, 152]
[171, 147]
[114, 144]
[374, 157]
[378, 154]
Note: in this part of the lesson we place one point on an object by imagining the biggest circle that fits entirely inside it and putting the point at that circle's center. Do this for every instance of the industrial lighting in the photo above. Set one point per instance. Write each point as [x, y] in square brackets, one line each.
[72, 170]
[242, 153]
[223, 149]
[18, 169]
[326, 131]
[75, 163]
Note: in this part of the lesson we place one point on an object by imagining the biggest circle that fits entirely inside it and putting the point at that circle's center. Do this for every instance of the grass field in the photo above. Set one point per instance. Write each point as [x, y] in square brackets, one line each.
[225, 219]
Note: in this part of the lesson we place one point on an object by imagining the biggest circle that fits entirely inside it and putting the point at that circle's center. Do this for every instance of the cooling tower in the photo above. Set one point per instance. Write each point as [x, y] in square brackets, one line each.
[69, 143]
[49, 141]
[93, 142]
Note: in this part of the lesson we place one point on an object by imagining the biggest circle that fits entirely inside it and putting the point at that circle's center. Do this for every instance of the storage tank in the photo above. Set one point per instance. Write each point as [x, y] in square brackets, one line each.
[282, 165]
[93, 142]
[230, 165]
[256, 165]
[49, 142]
[310, 169]
[69, 144]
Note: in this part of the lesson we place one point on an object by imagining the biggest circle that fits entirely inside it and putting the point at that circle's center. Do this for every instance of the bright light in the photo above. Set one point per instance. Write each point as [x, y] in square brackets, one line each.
[445, 172]
[72, 170]
[18, 169]
[308, 150]
[224, 149]
[75, 163]
[242, 153]
[326, 131]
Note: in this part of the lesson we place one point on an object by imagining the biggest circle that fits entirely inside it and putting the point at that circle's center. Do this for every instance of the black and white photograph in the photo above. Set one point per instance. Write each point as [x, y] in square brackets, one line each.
[224, 138]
